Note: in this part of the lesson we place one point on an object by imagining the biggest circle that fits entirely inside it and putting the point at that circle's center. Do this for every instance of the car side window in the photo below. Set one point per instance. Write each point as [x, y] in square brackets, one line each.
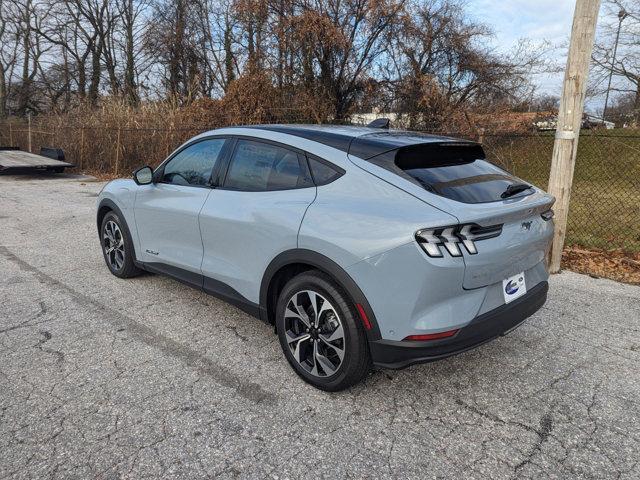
[258, 167]
[323, 172]
[193, 165]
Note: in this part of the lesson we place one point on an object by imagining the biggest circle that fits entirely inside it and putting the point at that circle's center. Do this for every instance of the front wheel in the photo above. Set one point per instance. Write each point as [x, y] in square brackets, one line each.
[320, 333]
[117, 247]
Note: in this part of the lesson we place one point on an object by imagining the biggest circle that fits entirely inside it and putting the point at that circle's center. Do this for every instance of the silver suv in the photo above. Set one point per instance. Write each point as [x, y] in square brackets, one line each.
[362, 246]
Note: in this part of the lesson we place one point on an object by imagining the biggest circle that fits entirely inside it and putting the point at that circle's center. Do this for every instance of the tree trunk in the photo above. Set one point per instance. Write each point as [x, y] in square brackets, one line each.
[636, 105]
[342, 105]
[230, 72]
[3, 93]
[176, 57]
[281, 48]
[25, 87]
[94, 86]
[110, 67]
[251, 46]
[130, 89]
[67, 78]
[82, 78]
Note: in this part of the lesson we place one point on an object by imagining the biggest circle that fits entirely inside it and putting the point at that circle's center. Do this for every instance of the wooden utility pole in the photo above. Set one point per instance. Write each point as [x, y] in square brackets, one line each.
[570, 118]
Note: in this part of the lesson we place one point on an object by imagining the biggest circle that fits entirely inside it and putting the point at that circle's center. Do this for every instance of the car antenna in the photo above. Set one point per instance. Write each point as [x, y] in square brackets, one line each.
[380, 123]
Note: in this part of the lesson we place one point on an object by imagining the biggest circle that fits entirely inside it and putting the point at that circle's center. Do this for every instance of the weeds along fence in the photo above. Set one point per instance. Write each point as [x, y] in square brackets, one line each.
[108, 151]
[605, 199]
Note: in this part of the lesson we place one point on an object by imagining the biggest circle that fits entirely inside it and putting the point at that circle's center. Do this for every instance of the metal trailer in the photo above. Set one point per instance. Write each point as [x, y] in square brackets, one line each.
[13, 160]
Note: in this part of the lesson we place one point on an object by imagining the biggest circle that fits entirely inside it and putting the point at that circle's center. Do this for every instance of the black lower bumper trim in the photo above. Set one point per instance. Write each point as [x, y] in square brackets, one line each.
[399, 354]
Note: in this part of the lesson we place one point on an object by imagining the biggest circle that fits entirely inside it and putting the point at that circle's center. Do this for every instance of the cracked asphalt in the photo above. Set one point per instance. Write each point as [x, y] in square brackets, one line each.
[102, 377]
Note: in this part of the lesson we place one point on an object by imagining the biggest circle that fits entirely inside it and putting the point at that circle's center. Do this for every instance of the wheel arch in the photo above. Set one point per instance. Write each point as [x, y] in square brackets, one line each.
[107, 205]
[291, 262]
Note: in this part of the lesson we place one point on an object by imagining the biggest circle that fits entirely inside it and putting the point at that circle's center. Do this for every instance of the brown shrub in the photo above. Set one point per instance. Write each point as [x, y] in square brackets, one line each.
[251, 99]
[116, 138]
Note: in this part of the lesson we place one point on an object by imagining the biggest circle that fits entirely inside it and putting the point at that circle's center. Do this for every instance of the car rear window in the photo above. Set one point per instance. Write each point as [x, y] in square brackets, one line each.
[458, 171]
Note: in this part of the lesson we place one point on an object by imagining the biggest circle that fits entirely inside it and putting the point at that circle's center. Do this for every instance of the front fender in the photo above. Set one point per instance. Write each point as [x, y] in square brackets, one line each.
[119, 196]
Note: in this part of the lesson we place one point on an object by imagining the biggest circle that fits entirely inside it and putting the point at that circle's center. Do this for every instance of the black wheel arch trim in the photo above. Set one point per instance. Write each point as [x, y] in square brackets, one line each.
[321, 262]
[107, 202]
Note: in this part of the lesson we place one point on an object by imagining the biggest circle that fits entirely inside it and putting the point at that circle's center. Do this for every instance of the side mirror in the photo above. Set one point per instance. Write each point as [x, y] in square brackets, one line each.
[143, 176]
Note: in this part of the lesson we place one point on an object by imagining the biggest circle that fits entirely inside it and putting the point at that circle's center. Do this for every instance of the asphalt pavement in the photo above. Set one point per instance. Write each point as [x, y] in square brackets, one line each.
[102, 377]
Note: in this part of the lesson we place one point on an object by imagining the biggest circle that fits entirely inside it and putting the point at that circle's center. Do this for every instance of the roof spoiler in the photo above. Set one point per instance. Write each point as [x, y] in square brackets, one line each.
[380, 123]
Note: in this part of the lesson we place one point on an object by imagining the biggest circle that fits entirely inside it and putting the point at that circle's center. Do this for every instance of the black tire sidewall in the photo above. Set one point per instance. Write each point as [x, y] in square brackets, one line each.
[356, 350]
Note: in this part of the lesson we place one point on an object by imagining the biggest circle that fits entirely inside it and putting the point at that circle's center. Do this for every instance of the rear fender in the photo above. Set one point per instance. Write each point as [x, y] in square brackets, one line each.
[325, 264]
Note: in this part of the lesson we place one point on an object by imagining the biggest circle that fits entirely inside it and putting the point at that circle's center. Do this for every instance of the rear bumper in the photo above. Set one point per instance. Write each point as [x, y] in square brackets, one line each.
[399, 354]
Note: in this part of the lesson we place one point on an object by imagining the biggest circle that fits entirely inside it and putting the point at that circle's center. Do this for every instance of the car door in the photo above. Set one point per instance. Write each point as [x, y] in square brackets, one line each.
[253, 215]
[166, 211]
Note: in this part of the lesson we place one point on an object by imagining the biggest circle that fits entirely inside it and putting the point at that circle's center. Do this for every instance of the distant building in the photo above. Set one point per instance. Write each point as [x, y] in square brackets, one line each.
[595, 122]
[588, 122]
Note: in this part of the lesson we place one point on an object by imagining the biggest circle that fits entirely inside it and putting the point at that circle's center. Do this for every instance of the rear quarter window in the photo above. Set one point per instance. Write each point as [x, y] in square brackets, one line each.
[323, 172]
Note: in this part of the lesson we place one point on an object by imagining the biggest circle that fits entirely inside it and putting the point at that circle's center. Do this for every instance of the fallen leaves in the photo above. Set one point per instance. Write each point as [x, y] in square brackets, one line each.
[614, 264]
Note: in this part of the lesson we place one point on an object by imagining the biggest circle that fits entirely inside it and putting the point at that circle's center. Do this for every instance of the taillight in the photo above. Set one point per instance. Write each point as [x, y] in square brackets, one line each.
[451, 237]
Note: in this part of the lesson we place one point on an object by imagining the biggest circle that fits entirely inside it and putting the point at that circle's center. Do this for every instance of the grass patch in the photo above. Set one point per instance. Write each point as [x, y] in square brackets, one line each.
[605, 200]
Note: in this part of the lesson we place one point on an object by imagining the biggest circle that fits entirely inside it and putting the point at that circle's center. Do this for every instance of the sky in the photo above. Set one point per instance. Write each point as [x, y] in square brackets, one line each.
[536, 20]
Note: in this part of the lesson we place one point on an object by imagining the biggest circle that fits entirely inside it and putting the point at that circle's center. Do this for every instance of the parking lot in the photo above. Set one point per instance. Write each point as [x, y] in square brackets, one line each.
[102, 377]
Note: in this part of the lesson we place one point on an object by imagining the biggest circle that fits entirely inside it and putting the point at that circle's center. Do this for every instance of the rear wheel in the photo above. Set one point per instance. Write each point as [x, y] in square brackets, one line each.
[117, 247]
[320, 333]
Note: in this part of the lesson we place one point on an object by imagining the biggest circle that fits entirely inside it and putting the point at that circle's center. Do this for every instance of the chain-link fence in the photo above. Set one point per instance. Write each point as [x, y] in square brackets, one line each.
[605, 199]
[604, 209]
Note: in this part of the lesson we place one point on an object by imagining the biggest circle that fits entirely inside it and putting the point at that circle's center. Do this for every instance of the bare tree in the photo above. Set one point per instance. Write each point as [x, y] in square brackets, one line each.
[328, 58]
[8, 55]
[623, 109]
[175, 39]
[219, 46]
[338, 43]
[626, 67]
[440, 63]
[128, 33]
[67, 30]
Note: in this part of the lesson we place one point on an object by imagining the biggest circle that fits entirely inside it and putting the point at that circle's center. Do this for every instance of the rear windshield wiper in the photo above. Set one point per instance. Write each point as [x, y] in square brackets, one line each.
[514, 188]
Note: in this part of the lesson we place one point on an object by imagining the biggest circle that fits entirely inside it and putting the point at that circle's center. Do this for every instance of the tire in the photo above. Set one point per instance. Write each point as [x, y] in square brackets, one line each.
[119, 260]
[314, 351]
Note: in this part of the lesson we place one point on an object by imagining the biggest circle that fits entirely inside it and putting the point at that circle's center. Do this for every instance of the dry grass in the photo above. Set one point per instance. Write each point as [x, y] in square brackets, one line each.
[116, 138]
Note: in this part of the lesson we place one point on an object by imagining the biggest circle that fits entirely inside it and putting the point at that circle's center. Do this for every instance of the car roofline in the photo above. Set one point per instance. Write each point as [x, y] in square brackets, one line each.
[362, 142]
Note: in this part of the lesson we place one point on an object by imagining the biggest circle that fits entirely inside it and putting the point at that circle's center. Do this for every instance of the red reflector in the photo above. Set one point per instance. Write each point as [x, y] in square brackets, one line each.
[363, 316]
[432, 336]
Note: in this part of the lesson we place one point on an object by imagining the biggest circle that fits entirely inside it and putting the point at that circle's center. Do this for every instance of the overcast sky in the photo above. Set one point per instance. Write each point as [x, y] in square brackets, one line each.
[537, 20]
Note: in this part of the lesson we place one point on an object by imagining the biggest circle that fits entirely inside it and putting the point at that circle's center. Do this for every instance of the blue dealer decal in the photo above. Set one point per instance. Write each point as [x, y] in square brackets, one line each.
[511, 287]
